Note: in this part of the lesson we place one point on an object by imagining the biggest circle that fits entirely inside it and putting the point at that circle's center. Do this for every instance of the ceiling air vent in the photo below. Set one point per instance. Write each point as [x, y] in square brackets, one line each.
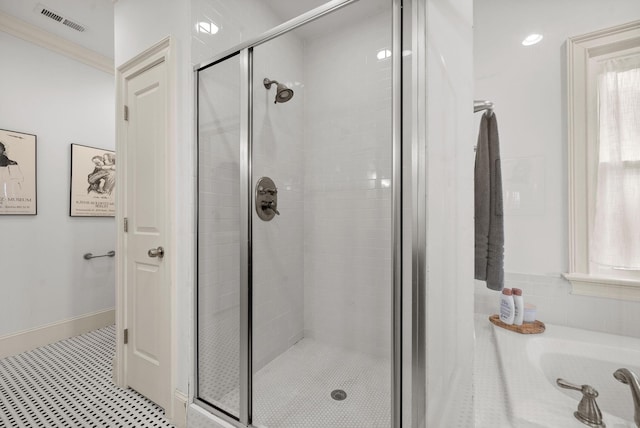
[73, 25]
[51, 15]
[46, 11]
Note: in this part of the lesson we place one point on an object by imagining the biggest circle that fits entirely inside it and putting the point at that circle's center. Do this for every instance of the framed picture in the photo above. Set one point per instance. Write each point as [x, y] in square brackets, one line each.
[93, 182]
[17, 173]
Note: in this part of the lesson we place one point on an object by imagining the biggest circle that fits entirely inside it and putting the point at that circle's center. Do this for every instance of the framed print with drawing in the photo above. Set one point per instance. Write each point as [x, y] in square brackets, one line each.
[17, 173]
[93, 181]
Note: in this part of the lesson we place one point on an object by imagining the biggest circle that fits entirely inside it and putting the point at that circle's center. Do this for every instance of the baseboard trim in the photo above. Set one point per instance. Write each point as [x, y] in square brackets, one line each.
[40, 336]
[179, 419]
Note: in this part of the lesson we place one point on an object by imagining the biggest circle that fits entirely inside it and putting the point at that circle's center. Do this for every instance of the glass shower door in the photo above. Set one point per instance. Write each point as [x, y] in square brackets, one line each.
[296, 227]
[322, 225]
[219, 226]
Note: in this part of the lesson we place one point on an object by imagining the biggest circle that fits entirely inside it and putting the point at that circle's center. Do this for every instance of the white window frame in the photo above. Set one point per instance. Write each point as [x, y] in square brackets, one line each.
[585, 55]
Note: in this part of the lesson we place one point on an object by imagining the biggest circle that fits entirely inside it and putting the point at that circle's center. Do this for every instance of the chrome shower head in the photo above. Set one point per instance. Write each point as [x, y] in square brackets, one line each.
[283, 94]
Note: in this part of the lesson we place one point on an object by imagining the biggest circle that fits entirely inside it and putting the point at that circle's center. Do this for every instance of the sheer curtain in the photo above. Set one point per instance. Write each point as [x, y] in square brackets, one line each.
[615, 238]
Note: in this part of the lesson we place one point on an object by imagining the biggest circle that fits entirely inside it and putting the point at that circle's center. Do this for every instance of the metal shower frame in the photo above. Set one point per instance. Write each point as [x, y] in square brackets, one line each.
[413, 332]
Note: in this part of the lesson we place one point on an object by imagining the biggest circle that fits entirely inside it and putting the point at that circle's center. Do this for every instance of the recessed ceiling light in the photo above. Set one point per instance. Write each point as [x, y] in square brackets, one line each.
[207, 28]
[532, 39]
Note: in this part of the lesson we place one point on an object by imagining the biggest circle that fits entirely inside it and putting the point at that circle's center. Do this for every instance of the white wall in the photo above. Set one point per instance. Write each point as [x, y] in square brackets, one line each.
[528, 87]
[62, 101]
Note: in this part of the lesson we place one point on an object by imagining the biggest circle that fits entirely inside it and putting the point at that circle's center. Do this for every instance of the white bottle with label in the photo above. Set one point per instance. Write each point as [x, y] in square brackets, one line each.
[518, 304]
[507, 306]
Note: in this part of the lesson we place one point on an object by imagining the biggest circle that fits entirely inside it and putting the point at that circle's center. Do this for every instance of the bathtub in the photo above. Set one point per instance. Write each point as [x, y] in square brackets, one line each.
[530, 365]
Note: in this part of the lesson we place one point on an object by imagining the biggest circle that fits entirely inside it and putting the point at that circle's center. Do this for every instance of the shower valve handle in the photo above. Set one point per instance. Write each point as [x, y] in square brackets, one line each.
[270, 205]
[269, 190]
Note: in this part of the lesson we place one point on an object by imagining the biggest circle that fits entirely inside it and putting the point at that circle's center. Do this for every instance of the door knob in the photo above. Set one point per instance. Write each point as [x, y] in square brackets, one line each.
[156, 252]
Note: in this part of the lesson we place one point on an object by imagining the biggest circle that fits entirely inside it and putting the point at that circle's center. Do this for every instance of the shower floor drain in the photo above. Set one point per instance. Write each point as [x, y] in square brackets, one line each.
[338, 394]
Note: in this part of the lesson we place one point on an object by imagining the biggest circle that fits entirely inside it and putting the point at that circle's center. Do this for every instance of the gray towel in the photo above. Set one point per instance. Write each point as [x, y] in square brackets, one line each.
[489, 224]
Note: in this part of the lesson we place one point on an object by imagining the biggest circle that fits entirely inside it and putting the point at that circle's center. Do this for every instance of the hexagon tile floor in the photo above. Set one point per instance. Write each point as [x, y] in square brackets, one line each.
[68, 384]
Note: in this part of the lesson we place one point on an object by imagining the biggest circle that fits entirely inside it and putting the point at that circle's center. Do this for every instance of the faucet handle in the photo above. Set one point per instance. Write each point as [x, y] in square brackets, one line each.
[585, 389]
[588, 411]
[568, 385]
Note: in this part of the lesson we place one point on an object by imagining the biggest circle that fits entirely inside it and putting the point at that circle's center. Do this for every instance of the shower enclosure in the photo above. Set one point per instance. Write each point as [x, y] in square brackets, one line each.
[299, 304]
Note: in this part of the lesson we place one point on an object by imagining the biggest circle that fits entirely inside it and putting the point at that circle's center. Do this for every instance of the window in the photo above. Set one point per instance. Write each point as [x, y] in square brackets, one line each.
[604, 162]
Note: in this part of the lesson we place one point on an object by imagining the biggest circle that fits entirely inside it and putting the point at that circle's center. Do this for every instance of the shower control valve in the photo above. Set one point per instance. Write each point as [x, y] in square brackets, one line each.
[266, 202]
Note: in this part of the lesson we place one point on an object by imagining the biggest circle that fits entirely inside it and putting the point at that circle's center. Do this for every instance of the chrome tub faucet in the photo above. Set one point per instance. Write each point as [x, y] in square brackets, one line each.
[626, 376]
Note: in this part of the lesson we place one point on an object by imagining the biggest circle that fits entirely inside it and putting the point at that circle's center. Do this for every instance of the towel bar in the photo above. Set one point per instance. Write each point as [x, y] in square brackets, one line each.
[90, 256]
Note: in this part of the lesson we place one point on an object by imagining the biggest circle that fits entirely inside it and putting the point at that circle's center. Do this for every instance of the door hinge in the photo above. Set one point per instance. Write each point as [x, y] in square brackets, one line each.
[126, 336]
[126, 113]
[126, 224]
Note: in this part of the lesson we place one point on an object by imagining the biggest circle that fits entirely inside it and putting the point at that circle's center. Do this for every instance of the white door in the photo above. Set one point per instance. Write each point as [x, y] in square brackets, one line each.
[148, 298]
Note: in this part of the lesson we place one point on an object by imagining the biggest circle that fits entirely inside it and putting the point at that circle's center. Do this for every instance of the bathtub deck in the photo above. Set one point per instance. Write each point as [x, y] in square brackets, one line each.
[489, 394]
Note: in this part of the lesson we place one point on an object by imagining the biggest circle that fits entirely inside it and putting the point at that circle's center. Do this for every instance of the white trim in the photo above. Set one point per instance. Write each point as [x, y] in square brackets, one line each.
[179, 419]
[161, 51]
[614, 288]
[22, 29]
[27, 340]
[582, 52]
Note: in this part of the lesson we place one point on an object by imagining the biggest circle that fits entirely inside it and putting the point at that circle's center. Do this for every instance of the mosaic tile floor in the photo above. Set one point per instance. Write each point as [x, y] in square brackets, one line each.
[68, 384]
[294, 390]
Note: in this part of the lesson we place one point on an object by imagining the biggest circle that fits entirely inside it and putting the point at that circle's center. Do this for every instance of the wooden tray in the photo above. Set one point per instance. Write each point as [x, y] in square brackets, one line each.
[535, 327]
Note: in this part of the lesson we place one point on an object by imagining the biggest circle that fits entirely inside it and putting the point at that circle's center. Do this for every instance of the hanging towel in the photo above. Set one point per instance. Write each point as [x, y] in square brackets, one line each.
[489, 224]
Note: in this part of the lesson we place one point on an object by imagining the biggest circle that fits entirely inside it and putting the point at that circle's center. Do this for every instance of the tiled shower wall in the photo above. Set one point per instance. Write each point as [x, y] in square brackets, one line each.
[277, 149]
[325, 261]
[347, 253]
[278, 263]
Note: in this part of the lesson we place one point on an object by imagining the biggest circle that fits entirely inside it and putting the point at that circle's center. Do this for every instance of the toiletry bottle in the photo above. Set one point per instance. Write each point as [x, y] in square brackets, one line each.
[518, 303]
[507, 311]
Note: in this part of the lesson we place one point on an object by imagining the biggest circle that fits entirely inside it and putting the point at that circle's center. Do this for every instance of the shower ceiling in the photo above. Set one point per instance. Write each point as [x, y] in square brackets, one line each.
[287, 9]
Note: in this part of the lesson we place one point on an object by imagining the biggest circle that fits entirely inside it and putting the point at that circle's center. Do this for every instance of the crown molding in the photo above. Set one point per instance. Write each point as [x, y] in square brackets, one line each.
[19, 28]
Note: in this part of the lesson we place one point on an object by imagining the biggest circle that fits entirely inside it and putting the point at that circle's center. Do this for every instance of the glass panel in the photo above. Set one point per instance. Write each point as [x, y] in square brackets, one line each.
[322, 281]
[219, 235]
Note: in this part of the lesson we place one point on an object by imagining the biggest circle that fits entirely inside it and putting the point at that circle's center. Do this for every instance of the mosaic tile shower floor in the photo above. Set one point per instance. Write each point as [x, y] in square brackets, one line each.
[294, 390]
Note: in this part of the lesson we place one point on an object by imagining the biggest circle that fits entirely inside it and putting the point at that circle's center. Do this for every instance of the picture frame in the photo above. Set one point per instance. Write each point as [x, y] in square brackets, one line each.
[92, 184]
[18, 173]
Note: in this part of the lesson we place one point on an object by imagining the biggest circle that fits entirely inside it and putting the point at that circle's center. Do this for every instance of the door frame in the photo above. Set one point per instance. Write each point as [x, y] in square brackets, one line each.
[163, 51]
